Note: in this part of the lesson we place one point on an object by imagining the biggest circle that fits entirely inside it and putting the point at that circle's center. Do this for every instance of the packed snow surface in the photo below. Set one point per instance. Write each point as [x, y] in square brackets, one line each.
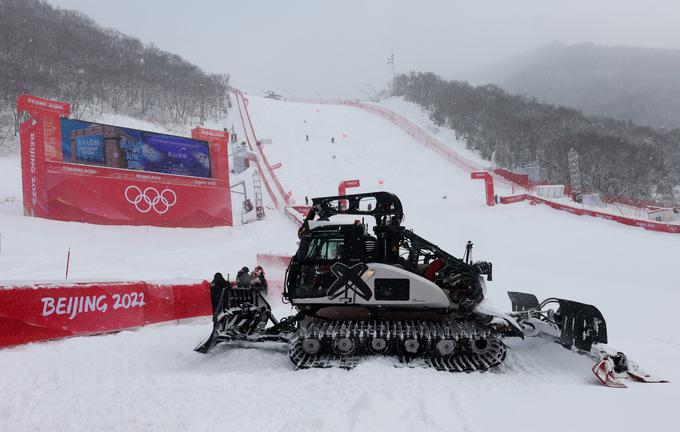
[150, 379]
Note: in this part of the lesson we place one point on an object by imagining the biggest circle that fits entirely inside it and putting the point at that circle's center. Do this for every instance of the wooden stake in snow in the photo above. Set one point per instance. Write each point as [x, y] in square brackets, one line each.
[68, 260]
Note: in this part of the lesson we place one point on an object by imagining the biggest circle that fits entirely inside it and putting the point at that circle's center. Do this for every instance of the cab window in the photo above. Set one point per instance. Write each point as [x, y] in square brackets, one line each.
[325, 249]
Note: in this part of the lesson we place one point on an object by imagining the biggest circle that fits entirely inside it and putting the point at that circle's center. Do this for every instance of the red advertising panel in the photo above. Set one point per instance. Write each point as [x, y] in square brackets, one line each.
[81, 171]
[50, 311]
[38, 134]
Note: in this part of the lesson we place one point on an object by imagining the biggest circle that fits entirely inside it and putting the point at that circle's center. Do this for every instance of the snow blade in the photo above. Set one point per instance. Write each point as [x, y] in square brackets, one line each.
[522, 301]
[237, 312]
[208, 344]
[218, 287]
[581, 325]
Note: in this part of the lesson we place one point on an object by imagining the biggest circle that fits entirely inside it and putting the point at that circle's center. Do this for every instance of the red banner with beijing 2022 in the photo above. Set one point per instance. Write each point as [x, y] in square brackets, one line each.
[38, 312]
[112, 175]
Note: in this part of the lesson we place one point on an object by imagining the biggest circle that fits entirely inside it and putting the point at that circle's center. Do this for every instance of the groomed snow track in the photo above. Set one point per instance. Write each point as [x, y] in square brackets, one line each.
[150, 379]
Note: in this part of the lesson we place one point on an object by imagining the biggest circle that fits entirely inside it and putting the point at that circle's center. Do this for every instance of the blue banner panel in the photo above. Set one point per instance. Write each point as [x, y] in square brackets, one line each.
[90, 148]
[117, 147]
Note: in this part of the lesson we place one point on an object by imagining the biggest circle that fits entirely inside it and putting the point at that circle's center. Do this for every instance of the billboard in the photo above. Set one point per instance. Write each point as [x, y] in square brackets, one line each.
[43, 311]
[91, 172]
[118, 147]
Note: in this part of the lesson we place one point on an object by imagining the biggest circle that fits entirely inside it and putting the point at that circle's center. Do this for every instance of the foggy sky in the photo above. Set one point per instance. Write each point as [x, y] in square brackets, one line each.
[339, 48]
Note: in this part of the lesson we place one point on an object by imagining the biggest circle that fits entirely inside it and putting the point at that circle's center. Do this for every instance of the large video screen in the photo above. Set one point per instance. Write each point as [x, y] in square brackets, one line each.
[118, 147]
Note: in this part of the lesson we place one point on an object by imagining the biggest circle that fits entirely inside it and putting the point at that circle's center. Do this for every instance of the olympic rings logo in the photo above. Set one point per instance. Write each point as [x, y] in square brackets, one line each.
[150, 198]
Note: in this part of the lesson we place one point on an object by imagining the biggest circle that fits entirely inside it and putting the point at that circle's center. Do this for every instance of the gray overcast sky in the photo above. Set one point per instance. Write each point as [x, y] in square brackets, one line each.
[300, 47]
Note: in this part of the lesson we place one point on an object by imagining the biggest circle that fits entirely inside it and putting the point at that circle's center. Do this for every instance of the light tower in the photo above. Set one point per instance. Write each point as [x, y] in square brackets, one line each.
[390, 60]
[574, 171]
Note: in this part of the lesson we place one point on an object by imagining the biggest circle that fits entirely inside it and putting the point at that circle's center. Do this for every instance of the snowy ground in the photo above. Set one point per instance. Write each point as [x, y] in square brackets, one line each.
[150, 379]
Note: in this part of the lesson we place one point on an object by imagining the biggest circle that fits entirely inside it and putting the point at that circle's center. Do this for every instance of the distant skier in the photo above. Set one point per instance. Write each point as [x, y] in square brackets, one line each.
[307, 137]
[332, 140]
[306, 200]
[495, 198]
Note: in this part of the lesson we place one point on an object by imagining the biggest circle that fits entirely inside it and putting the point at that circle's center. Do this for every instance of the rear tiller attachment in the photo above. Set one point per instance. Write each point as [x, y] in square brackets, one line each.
[581, 328]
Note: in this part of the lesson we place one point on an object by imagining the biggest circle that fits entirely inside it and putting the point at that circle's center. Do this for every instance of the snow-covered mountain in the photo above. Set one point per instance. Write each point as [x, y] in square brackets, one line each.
[622, 82]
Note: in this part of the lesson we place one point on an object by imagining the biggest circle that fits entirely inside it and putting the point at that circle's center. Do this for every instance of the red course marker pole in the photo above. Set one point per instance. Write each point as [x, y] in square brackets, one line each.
[342, 189]
[68, 261]
[488, 182]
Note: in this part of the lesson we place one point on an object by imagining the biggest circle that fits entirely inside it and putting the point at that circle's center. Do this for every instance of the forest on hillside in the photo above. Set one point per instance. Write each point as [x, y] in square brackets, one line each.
[64, 55]
[616, 158]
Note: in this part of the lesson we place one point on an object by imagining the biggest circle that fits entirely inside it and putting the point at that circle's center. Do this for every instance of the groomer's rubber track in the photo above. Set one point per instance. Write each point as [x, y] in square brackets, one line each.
[467, 345]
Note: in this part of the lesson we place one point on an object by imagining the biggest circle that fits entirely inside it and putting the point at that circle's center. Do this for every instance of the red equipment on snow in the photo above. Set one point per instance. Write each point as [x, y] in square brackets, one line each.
[580, 328]
[612, 369]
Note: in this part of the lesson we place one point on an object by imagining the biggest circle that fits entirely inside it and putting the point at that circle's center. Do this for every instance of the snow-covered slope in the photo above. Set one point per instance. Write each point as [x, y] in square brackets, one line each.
[150, 379]
[421, 117]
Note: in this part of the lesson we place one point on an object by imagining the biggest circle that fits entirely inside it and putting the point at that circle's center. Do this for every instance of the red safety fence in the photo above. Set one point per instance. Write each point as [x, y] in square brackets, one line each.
[315, 101]
[426, 139]
[275, 266]
[503, 175]
[297, 213]
[270, 260]
[252, 138]
[253, 158]
[513, 199]
[43, 311]
[302, 209]
[294, 216]
[520, 179]
[294, 213]
[420, 135]
[415, 131]
[639, 203]
[55, 187]
[648, 225]
[500, 174]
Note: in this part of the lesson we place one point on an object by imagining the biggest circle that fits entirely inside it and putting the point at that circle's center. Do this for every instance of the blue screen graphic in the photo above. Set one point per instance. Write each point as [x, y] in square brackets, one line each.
[90, 148]
[118, 147]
